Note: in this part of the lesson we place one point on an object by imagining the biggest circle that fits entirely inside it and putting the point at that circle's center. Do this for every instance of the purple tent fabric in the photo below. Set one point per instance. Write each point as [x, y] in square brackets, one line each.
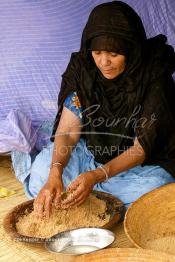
[37, 38]
[20, 136]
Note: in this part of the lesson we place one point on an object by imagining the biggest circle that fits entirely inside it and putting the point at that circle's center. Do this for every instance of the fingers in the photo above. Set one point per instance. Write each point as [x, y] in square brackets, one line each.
[49, 193]
[76, 201]
[72, 187]
[77, 193]
[48, 205]
[42, 204]
[57, 201]
[76, 188]
[39, 205]
[79, 200]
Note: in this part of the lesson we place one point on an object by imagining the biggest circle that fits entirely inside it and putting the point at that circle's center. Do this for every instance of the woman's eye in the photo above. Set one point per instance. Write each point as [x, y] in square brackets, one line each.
[114, 54]
[96, 52]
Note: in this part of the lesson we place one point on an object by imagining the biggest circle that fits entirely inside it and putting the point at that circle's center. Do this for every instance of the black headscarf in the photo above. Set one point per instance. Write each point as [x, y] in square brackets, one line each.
[145, 90]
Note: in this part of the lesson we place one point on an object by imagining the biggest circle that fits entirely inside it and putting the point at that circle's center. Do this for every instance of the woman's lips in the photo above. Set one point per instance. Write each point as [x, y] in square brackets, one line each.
[107, 71]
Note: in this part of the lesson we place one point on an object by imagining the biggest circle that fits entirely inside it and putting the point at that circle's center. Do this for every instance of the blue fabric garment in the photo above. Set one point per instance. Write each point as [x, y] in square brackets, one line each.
[127, 186]
[73, 104]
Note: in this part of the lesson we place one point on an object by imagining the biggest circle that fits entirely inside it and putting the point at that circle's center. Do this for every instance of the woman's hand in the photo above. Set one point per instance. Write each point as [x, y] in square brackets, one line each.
[51, 192]
[80, 188]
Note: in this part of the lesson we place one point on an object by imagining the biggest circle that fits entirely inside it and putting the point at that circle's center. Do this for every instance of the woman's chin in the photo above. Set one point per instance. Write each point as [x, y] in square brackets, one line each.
[109, 76]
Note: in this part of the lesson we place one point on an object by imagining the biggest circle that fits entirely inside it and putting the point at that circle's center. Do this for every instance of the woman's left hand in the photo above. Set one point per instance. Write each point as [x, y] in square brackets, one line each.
[80, 188]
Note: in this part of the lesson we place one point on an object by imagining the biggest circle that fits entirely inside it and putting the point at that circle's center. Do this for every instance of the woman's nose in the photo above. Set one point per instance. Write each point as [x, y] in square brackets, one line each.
[105, 61]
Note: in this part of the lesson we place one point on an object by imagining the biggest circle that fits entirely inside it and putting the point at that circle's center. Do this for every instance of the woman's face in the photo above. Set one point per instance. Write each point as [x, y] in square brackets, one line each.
[110, 64]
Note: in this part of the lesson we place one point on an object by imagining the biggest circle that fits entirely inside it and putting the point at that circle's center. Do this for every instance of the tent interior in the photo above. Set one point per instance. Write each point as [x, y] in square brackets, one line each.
[37, 39]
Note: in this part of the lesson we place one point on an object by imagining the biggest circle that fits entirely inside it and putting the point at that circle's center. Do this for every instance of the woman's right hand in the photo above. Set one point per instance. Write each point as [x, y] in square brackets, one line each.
[50, 193]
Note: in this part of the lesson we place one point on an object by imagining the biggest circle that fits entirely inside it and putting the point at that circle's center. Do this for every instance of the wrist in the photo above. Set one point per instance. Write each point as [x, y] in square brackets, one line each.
[57, 164]
[100, 175]
[56, 172]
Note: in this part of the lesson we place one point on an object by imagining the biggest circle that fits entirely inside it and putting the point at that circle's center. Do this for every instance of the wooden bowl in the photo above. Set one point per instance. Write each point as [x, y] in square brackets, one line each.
[150, 221]
[125, 255]
[114, 207]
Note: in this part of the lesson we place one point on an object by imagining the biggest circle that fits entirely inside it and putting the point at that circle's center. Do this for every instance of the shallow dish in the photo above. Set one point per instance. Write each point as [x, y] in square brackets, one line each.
[80, 241]
[114, 207]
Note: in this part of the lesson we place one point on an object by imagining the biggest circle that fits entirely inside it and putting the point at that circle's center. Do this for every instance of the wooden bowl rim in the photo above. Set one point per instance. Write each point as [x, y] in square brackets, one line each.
[134, 254]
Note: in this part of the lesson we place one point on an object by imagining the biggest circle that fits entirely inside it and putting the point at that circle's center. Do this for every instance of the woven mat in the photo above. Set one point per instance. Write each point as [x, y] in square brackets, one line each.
[14, 251]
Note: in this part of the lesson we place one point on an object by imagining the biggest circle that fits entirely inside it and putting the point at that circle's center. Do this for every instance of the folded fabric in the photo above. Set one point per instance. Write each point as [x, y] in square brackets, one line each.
[17, 133]
[44, 132]
[22, 161]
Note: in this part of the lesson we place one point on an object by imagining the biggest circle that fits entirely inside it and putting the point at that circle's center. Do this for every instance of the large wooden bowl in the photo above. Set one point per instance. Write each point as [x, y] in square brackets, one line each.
[114, 207]
[125, 255]
[150, 221]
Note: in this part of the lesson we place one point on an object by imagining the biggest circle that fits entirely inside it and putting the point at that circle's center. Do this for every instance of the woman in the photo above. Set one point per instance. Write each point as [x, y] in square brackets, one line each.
[114, 130]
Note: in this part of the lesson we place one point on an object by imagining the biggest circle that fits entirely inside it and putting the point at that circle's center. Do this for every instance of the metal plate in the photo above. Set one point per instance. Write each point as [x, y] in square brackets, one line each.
[80, 241]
